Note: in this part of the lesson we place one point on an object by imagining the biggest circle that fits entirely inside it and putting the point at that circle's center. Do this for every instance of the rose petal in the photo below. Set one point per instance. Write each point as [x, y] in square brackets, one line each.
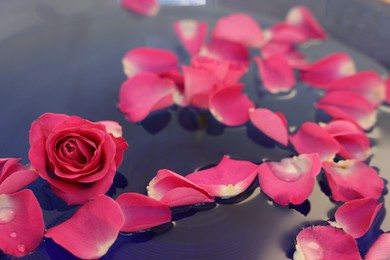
[142, 212]
[352, 179]
[240, 28]
[230, 106]
[183, 196]
[302, 18]
[311, 138]
[144, 7]
[387, 82]
[325, 243]
[226, 50]
[357, 109]
[112, 127]
[229, 178]
[330, 68]
[270, 123]
[366, 83]
[276, 73]
[144, 93]
[356, 216]
[291, 180]
[21, 223]
[288, 33]
[380, 250]
[192, 34]
[91, 231]
[295, 58]
[153, 60]
[14, 176]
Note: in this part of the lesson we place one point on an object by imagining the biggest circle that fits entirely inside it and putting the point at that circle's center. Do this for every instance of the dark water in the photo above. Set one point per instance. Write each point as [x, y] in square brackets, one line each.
[72, 65]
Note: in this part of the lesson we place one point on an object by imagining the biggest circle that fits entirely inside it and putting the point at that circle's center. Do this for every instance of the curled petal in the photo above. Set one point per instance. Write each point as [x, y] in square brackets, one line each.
[352, 179]
[144, 7]
[356, 216]
[291, 180]
[142, 212]
[288, 33]
[91, 231]
[112, 127]
[388, 90]
[192, 34]
[182, 196]
[21, 223]
[144, 93]
[380, 250]
[230, 106]
[357, 109]
[226, 50]
[229, 178]
[276, 73]
[240, 28]
[325, 243]
[153, 60]
[330, 68]
[311, 138]
[271, 124]
[14, 176]
[302, 18]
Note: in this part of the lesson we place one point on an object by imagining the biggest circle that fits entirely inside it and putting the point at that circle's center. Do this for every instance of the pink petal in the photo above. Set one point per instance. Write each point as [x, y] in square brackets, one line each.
[91, 231]
[112, 127]
[276, 73]
[302, 18]
[388, 90]
[229, 178]
[21, 223]
[144, 93]
[192, 34]
[352, 179]
[144, 7]
[230, 106]
[240, 28]
[330, 68]
[380, 250]
[311, 138]
[14, 176]
[356, 216]
[226, 50]
[153, 60]
[357, 109]
[291, 180]
[142, 212]
[270, 123]
[325, 243]
[288, 50]
[367, 83]
[284, 32]
[341, 127]
[174, 190]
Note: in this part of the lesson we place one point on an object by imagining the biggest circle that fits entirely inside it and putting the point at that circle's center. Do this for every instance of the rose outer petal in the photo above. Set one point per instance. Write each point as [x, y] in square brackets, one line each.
[142, 212]
[229, 178]
[380, 250]
[91, 231]
[356, 216]
[144, 7]
[291, 180]
[270, 123]
[191, 33]
[325, 243]
[352, 179]
[21, 223]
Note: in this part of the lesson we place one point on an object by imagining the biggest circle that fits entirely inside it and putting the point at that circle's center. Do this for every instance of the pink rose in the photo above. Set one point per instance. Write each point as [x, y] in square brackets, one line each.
[77, 157]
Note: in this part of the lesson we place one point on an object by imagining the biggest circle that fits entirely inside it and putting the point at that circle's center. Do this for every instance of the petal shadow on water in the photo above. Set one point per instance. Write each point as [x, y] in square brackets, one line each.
[156, 121]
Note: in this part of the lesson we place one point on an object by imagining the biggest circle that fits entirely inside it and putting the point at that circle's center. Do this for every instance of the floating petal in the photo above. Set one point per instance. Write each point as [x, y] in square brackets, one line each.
[225, 50]
[192, 34]
[144, 7]
[284, 32]
[14, 176]
[302, 18]
[295, 58]
[388, 90]
[380, 250]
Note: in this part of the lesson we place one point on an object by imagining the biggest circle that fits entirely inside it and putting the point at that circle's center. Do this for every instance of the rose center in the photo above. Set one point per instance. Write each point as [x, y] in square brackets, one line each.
[72, 152]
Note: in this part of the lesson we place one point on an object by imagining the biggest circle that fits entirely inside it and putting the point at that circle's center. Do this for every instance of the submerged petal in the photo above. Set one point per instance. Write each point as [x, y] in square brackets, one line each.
[144, 7]
[380, 250]
[302, 18]
[191, 33]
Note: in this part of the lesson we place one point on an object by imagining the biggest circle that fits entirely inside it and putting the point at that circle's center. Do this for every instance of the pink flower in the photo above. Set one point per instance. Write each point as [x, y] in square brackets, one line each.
[14, 176]
[77, 157]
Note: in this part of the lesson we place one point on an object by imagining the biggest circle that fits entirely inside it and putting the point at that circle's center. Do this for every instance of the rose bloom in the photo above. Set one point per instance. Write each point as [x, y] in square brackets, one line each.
[77, 157]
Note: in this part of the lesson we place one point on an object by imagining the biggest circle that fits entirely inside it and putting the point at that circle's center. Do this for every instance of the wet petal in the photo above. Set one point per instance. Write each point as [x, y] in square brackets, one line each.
[302, 18]
[356, 216]
[229, 178]
[325, 243]
[226, 50]
[291, 180]
[276, 73]
[352, 179]
[144, 7]
[183, 196]
[153, 60]
[240, 28]
[14, 176]
[230, 106]
[142, 212]
[192, 34]
[357, 109]
[311, 138]
[96, 224]
[112, 127]
[380, 250]
[144, 93]
[329, 68]
[271, 124]
[21, 223]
